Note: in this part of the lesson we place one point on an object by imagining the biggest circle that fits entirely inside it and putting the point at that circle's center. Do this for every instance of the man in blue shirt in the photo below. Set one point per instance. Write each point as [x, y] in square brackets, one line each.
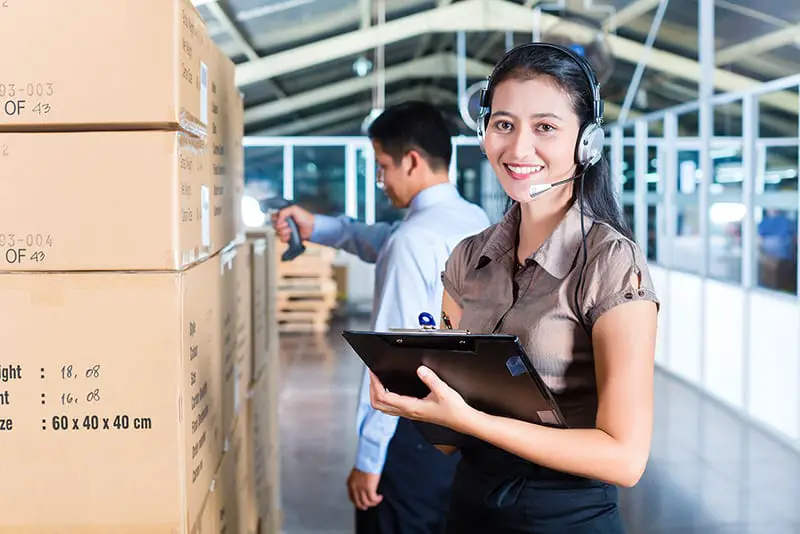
[400, 484]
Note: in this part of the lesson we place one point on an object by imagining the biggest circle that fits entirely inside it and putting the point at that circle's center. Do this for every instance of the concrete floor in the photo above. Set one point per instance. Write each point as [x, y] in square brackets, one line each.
[710, 472]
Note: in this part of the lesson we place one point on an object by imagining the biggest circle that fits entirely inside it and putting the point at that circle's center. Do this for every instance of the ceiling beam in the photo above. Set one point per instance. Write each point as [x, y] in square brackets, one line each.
[484, 15]
[629, 13]
[289, 35]
[430, 94]
[469, 15]
[436, 66]
[759, 45]
[425, 41]
[233, 30]
[366, 13]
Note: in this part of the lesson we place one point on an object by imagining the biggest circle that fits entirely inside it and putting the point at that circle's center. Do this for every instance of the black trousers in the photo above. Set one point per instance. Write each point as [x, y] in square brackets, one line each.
[415, 484]
[495, 492]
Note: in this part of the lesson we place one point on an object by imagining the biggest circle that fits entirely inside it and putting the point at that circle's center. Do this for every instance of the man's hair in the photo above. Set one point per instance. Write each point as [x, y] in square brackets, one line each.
[416, 126]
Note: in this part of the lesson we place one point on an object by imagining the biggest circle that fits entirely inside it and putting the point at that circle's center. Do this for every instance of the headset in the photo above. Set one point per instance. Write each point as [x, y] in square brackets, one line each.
[588, 149]
[591, 139]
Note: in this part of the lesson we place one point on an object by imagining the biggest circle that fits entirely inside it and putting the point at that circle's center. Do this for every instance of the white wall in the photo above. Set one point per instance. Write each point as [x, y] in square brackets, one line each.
[740, 347]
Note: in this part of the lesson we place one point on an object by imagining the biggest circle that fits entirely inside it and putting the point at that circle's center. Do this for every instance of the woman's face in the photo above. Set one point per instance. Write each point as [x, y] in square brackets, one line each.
[531, 136]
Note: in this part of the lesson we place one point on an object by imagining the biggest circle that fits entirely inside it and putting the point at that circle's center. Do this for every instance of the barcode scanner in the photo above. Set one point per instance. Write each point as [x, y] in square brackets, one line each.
[296, 246]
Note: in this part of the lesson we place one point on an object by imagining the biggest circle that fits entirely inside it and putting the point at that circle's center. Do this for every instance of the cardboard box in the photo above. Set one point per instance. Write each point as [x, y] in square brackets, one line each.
[225, 343]
[234, 344]
[242, 454]
[111, 414]
[208, 522]
[244, 328]
[226, 130]
[227, 499]
[259, 305]
[236, 134]
[266, 453]
[91, 201]
[89, 65]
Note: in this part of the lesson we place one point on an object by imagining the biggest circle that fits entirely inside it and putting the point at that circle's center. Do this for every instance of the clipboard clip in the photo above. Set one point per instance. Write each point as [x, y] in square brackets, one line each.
[428, 324]
[426, 321]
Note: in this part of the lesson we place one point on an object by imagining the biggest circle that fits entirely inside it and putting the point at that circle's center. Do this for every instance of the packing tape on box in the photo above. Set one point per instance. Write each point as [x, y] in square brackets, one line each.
[193, 125]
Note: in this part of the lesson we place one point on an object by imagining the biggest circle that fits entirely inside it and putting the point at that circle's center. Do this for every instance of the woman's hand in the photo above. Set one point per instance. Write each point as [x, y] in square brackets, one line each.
[443, 406]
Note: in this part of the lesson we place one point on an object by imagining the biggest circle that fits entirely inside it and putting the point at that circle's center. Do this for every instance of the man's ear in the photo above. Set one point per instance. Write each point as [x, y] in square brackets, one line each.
[412, 162]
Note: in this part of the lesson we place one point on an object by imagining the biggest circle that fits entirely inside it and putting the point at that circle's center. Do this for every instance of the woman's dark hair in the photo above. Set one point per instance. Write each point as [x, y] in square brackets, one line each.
[528, 62]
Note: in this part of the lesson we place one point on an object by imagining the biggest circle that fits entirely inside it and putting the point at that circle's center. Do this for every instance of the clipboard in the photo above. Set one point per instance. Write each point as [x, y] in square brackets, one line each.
[492, 373]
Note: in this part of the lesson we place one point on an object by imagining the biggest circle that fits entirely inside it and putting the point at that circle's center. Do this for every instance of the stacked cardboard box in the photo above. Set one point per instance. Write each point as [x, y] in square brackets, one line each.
[266, 380]
[124, 275]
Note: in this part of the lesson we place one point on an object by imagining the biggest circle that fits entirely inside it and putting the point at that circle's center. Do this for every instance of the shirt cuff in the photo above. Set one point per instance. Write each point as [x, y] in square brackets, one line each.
[370, 458]
[327, 230]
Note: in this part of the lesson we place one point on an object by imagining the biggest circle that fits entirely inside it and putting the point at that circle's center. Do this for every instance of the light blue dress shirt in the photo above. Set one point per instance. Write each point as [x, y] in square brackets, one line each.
[409, 257]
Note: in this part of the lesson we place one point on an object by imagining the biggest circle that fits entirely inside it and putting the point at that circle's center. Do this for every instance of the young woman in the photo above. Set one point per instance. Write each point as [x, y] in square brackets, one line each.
[562, 273]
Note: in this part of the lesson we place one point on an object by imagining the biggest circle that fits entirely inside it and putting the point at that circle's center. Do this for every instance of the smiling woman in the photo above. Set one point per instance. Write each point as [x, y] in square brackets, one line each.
[561, 272]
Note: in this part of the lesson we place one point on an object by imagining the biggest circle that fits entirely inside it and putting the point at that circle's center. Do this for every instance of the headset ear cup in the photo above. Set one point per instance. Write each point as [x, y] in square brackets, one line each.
[590, 145]
[483, 117]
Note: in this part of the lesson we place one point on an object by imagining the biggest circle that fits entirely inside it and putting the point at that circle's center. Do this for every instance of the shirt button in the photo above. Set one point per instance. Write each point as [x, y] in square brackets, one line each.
[641, 292]
[629, 295]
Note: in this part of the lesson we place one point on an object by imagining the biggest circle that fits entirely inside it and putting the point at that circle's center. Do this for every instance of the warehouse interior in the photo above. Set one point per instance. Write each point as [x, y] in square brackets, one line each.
[702, 121]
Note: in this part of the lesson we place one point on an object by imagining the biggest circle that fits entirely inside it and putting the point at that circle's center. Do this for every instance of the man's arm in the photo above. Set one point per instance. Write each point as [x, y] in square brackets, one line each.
[408, 290]
[363, 240]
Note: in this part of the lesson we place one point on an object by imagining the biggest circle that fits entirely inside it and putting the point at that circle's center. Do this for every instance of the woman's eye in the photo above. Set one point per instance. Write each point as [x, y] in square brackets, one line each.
[546, 128]
[503, 126]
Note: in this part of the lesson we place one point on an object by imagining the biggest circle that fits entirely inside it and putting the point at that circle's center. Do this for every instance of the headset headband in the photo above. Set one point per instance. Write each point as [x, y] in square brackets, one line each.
[597, 102]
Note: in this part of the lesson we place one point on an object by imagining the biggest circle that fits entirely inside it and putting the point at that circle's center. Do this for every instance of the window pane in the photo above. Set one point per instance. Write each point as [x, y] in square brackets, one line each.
[361, 183]
[688, 172]
[652, 168]
[652, 232]
[494, 200]
[384, 211]
[687, 245]
[263, 171]
[655, 128]
[728, 172]
[780, 170]
[319, 179]
[777, 113]
[728, 120]
[725, 236]
[468, 172]
[689, 124]
[628, 168]
[627, 211]
[776, 252]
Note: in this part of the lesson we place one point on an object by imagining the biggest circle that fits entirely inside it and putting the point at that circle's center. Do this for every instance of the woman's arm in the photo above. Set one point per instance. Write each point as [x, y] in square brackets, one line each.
[452, 310]
[616, 451]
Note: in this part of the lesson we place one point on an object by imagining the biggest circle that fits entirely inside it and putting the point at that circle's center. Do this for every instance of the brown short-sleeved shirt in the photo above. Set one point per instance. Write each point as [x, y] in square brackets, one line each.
[536, 301]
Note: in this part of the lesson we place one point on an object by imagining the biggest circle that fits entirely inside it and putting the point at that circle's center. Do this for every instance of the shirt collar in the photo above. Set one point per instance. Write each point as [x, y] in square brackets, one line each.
[433, 195]
[557, 253]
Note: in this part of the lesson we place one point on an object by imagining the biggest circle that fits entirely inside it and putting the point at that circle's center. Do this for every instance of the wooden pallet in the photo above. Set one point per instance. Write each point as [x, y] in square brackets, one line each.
[306, 290]
[303, 321]
[305, 305]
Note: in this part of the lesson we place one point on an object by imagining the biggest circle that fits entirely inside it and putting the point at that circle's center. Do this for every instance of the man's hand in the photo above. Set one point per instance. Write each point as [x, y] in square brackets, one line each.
[363, 489]
[303, 218]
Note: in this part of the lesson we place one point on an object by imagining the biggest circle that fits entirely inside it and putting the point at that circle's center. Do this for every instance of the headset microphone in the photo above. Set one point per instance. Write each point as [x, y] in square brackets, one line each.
[538, 189]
